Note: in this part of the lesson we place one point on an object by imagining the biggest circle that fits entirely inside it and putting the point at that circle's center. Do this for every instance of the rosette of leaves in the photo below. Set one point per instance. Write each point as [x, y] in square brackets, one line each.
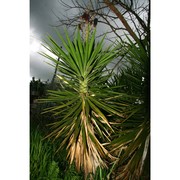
[84, 102]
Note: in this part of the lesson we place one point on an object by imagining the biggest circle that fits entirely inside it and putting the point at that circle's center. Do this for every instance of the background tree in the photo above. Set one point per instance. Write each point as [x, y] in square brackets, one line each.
[37, 89]
[131, 141]
[118, 16]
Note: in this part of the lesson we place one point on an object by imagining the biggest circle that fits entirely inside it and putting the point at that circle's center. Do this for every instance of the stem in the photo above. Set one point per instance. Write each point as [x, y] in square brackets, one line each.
[84, 86]
[87, 32]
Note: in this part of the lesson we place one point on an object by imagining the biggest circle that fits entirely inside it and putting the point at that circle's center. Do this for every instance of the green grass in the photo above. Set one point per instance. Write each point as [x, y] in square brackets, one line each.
[45, 164]
[42, 163]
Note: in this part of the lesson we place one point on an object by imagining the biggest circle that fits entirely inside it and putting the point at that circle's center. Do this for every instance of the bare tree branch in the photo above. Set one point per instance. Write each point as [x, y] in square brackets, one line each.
[121, 16]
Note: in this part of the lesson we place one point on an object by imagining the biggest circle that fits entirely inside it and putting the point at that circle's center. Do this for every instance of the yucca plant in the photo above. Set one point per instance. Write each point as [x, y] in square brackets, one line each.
[85, 103]
[131, 140]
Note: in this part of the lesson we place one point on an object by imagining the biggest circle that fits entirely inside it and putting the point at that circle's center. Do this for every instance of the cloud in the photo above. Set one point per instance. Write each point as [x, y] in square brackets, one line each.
[41, 19]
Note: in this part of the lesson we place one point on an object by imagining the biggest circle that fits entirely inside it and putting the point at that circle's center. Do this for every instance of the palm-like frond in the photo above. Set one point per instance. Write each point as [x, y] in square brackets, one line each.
[83, 105]
[132, 137]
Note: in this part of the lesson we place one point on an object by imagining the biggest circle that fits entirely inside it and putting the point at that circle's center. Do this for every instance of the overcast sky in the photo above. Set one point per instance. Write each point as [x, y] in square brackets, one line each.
[41, 21]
